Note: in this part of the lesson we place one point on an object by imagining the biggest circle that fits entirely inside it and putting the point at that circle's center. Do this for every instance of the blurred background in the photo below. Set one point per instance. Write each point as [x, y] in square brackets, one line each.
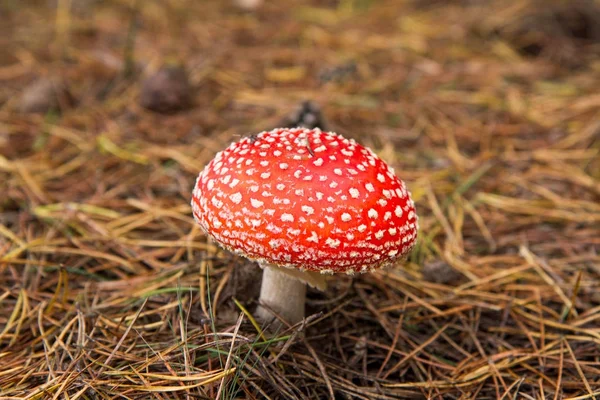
[488, 109]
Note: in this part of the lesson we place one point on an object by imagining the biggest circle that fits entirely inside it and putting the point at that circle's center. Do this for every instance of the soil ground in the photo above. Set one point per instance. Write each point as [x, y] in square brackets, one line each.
[488, 109]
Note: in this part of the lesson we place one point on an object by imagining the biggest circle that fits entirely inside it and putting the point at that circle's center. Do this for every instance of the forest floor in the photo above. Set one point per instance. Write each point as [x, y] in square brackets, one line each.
[488, 109]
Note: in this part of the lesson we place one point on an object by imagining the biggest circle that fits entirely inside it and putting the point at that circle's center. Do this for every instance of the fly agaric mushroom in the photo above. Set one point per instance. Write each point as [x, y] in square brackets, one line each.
[304, 203]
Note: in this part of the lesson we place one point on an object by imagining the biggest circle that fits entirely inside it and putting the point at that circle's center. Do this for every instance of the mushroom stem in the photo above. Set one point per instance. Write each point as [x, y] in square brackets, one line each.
[282, 293]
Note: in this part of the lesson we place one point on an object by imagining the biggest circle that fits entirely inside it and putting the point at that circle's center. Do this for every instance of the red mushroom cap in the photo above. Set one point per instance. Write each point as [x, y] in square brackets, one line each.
[307, 199]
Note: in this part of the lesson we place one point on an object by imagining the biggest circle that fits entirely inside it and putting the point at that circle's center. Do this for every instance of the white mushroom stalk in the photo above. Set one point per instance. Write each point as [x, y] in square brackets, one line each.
[283, 292]
[303, 203]
[281, 295]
